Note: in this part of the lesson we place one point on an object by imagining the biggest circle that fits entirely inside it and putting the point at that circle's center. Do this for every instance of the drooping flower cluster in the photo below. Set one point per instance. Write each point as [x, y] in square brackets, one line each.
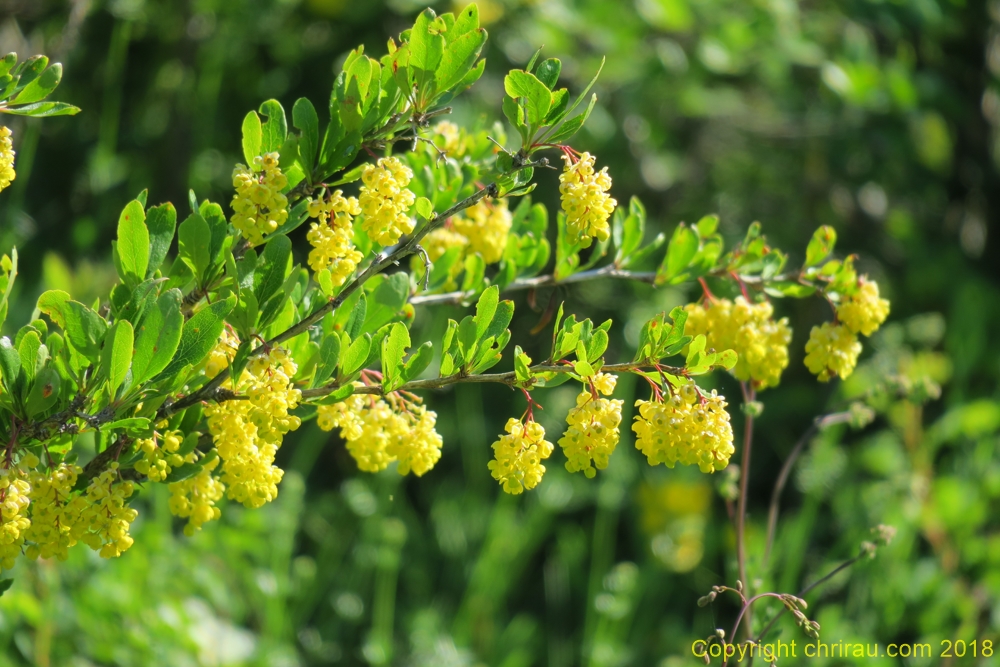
[7, 173]
[259, 207]
[864, 311]
[585, 200]
[760, 341]
[832, 350]
[592, 433]
[332, 236]
[194, 498]
[379, 431]
[687, 428]
[161, 457]
[437, 243]
[248, 433]
[106, 518]
[518, 456]
[385, 200]
[14, 522]
[486, 226]
[54, 513]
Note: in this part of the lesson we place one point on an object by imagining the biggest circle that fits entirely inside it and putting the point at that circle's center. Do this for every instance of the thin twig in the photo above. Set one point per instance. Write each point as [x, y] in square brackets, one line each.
[741, 509]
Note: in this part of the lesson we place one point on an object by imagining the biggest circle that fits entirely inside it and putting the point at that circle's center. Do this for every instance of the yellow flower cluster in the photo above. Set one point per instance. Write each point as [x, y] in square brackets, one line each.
[585, 200]
[106, 518]
[247, 433]
[332, 236]
[14, 522]
[222, 354]
[518, 456]
[832, 350]
[160, 459]
[194, 498]
[259, 208]
[6, 158]
[486, 226]
[748, 328]
[592, 433]
[865, 311]
[377, 434]
[54, 514]
[686, 428]
[385, 200]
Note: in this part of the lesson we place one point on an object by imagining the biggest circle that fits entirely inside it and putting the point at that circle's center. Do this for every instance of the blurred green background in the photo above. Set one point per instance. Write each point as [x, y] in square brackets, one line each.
[880, 118]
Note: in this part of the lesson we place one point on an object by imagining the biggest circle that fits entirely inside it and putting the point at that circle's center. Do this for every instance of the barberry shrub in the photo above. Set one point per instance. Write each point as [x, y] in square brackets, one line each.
[209, 350]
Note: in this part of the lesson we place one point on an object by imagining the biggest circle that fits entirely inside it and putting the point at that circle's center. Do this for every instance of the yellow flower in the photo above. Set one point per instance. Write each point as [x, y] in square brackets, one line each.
[864, 311]
[222, 354]
[6, 158]
[248, 433]
[760, 342]
[332, 237]
[259, 207]
[592, 433]
[518, 456]
[486, 226]
[14, 522]
[385, 201]
[686, 428]
[159, 459]
[832, 350]
[585, 200]
[377, 434]
[194, 498]
[54, 511]
[106, 518]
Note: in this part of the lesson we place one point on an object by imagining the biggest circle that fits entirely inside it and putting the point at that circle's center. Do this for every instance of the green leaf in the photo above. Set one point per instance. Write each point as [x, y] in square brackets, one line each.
[783, 288]
[10, 366]
[393, 347]
[5, 584]
[680, 251]
[133, 243]
[158, 337]
[356, 318]
[161, 221]
[458, 59]
[272, 268]
[43, 110]
[30, 348]
[538, 99]
[116, 357]
[129, 424]
[329, 357]
[548, 72]
[485, 309]
[425, 209]
[44, 392]
[275, 130]
[193, 245]
[355, 356]
[820, 245]
[84, 329]
[418, 361]
[305, 119]
[40, 88]
[426, 47]
[253, 137]
[386, 301]
[199, 336]
[727, 359]
[707, 225]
